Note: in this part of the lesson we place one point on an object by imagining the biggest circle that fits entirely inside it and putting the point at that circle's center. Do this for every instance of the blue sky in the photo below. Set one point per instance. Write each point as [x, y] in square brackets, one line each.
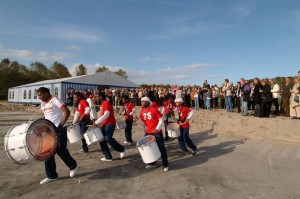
[157, 41]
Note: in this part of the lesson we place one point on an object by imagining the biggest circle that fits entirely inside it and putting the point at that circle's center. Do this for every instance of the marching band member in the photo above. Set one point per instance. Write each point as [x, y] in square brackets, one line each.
[108, 123]
[93, 112]
[128, 112]
[168, 112]
[57, 112]
[185, 114]
[153, 121]
[82, 116]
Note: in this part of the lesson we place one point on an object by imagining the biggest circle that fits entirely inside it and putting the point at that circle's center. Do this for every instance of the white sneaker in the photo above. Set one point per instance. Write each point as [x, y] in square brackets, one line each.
[129, 143]
[149, 166]
[46, 180]
[125, 142]
[166, 168]
[122, 154]
[73, 172]
[106, 160]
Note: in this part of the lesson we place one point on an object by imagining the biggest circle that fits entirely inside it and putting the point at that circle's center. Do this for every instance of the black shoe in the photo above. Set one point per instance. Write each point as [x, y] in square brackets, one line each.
[85, 149]
[167, 138]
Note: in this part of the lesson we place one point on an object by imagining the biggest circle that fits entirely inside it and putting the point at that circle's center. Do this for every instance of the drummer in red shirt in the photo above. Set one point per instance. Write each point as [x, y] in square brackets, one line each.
[82, 116]
[152, 119]
[185, 114]
[168, 112]
[128, 111]
[108, 124]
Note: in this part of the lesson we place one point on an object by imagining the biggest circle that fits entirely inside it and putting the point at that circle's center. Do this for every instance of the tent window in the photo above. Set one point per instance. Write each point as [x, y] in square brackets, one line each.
[56, 91]
[13, 95]
[24, 94]
[9, 95]
[34, 94]
[29, 94]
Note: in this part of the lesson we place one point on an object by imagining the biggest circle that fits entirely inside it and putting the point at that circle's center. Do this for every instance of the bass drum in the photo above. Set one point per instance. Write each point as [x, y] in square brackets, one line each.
[32, 140]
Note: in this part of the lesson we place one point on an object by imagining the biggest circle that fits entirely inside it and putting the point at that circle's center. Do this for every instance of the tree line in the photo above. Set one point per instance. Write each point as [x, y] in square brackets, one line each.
[12, 73]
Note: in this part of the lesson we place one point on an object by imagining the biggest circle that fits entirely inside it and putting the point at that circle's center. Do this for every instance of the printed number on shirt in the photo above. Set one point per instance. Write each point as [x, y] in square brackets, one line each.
[147, 116]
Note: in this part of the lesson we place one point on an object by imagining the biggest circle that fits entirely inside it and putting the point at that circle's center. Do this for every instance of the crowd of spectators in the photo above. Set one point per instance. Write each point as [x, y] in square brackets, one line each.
[262, 97]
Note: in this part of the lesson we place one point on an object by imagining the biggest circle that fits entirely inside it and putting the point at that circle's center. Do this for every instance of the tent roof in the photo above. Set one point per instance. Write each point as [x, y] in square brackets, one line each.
[106, 78]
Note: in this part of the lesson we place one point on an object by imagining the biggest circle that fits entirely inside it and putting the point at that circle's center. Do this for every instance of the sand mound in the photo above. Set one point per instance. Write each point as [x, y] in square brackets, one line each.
[218, 122]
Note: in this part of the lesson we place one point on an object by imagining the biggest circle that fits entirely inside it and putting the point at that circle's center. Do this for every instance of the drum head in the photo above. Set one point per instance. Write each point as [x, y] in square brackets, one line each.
[41, 139]
[145, 140]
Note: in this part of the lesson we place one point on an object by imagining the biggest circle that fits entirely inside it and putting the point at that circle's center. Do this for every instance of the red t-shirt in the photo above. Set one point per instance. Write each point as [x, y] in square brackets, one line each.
[154, 105]
[81, 108]
[128, 109]
[150, 116]
[106, 106]
[183, 113]
[169, 107]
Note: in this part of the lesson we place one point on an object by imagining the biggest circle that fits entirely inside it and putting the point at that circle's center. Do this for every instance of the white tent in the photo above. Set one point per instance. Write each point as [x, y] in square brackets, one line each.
[58, 87]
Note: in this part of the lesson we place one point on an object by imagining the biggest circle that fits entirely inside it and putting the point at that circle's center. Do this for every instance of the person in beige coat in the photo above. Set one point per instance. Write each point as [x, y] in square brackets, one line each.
[295, 106]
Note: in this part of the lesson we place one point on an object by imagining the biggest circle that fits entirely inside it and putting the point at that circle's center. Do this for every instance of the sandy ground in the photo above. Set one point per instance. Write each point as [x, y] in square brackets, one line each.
[238, 157]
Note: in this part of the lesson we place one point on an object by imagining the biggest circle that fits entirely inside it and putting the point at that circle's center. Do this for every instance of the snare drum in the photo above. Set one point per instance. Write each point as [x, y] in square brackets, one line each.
[121, 125]
[148, 149]
[173, 130]
[32, 140]
[93, 135]
[74, 134]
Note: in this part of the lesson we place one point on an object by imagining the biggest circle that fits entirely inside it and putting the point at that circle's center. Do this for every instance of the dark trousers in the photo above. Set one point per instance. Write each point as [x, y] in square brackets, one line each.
[128, 130]
[275, 102]
[62, 152]
[161, 146]
[285, 104]
[238, 104]
[184, 139]
[83, 128]
[264, 109]
[108, 132]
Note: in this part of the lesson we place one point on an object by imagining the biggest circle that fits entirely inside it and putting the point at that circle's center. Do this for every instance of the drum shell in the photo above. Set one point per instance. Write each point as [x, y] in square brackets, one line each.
[32, 140]
[19, 153]
[173, 130]
[173, 133]
[149, 151]
[93, 135]
[74, 134]
[121, 125]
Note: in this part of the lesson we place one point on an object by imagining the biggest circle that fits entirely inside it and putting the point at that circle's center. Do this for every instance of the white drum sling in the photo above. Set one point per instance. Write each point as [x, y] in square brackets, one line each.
[148, 149]
[32, 140]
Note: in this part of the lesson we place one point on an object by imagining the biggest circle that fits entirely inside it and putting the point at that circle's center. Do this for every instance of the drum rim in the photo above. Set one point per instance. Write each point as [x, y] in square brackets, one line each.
[154, 139]
[56, 140]
[178, 125]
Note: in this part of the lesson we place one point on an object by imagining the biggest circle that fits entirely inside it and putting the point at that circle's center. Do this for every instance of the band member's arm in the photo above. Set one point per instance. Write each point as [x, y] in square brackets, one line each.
[66, 113]
[123, 112]
[132, 112]
[76, 117]
[87, 111]
[140, 122]
[103, 117]
[160, 124]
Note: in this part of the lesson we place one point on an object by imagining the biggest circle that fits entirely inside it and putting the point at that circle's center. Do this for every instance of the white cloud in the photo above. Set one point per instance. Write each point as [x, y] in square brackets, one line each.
[156, 58]
[57, 30]
[33, 55]
[73, 47]
[187, 74]
[242, 10]
[67, 32]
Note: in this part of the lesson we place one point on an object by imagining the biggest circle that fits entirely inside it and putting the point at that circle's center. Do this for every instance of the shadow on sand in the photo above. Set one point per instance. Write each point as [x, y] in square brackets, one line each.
[132, 165]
